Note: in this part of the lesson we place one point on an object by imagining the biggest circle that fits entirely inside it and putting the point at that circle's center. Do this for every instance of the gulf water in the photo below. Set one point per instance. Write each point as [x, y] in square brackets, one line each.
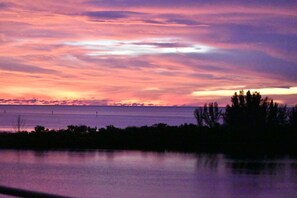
[58, 117]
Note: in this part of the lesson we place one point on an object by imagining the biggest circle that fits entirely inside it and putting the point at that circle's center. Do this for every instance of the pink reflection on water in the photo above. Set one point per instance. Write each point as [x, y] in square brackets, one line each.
[144, 174]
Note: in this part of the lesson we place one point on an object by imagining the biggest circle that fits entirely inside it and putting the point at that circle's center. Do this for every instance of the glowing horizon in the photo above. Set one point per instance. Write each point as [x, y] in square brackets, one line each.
[154, 53]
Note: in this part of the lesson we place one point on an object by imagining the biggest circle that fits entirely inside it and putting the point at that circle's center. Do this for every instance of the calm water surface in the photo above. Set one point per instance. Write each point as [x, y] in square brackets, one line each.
[144, 174]
[57, 117]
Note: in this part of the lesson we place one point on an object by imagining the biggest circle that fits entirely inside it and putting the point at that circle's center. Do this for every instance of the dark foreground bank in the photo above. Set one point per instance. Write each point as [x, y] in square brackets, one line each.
[160, 137]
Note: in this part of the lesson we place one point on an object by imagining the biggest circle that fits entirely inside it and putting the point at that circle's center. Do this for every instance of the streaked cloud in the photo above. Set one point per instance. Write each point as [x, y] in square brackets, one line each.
[16, 66]
[146, 52]
[98, 15]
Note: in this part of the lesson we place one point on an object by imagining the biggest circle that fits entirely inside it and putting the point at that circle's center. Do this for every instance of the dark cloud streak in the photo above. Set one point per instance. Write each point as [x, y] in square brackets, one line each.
[5, 5]
[110, 14]
[185, 3]
[13, 65]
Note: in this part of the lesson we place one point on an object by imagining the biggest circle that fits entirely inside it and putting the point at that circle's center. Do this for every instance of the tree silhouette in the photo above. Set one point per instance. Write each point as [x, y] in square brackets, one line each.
[277, 114]
[198, 113]
[39, 129]
[251, 109]
[209, 115]
[246, 110]
[293, 116]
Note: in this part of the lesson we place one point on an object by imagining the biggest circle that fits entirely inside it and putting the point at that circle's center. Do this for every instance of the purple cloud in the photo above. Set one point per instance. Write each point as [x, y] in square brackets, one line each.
[4, 5]
[110, 14]
[178, 3]
[14, 65]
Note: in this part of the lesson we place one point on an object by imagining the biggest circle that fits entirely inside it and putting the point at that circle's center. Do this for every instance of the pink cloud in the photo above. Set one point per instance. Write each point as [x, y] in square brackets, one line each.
[155, 54]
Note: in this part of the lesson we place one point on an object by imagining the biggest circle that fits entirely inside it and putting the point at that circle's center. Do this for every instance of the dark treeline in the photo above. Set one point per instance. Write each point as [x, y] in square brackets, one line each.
[250, 110]
[251, 125]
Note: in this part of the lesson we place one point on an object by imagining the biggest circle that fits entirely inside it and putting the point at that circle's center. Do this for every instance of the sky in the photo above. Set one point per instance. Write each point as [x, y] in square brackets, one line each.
[156, 52]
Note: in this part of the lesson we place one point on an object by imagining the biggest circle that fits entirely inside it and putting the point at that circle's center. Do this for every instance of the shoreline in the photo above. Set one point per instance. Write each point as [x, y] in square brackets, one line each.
[186, 138]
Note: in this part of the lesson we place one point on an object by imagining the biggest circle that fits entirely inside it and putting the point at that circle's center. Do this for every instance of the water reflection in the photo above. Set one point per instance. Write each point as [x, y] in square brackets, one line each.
[210, 161]
[294, 168]
[147, 174]
[255, 167]
[246, 166]
[258, 164]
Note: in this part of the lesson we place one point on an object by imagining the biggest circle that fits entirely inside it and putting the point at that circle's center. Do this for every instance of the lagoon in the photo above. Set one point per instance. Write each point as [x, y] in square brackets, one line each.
[136, 174]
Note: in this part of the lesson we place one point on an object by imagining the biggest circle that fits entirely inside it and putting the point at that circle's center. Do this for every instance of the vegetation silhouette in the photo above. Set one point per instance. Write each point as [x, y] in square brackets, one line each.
[250, 125]
[209, 115]
[246, 110]
[293, 117]
[251, 110]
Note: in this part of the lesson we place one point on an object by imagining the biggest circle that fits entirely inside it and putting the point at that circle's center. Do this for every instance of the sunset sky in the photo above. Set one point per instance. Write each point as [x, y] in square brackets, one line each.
[155, 52]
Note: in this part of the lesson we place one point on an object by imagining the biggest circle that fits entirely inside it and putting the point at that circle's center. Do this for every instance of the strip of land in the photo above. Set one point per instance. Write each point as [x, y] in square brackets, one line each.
[160, 137]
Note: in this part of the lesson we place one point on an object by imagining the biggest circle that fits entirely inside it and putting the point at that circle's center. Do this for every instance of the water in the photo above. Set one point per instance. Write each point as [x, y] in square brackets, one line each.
[57, 117]
[144, 174]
